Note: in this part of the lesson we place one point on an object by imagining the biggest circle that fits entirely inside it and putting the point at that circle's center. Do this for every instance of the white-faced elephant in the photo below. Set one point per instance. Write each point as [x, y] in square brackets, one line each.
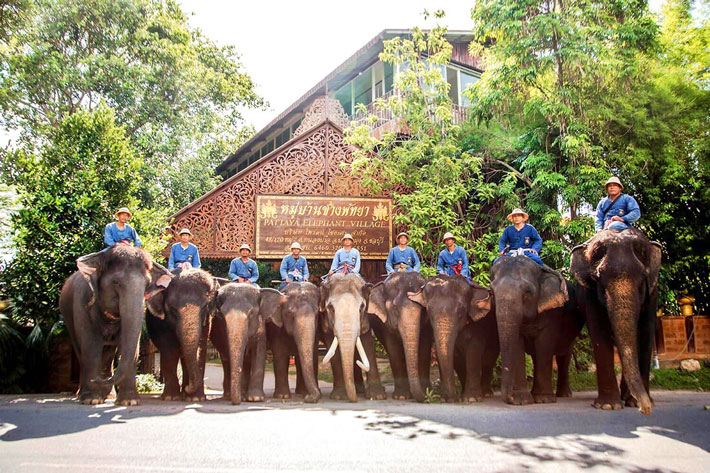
[239, 334]
[178, 324]
[529, 302]
[464, 334]
[297, 310]
[618, 272]
[102, 305]
[345, 327]
[402, 327]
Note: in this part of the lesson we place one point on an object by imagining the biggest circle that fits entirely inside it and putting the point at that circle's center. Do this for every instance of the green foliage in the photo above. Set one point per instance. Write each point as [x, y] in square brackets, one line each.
[148, 384]
[679, 379]
[68, 193]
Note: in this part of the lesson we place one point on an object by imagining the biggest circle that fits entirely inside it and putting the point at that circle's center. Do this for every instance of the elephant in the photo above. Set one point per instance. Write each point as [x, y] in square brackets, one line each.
[345, 325]
[402, 327]
[465, 337]
[298, 311]
[533, 315]
[102, 305]
[238, 333]
[618, 275]
[178, 321]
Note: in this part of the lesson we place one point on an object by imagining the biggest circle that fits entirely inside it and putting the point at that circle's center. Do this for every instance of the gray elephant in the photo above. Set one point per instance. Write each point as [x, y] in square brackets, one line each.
[345, 327]
[618, 274]
[102, 305]
[532, 316]
[402, 327]
[465, 336]
[178, 322]
[239, 335]
[297, 310]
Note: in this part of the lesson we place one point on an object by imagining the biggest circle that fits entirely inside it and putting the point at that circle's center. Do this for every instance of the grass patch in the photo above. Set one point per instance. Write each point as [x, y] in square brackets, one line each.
[677, 379]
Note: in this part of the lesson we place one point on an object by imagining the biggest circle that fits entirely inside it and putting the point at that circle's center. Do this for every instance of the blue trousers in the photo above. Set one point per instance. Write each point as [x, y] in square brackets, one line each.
[529, 254]
[618, 226]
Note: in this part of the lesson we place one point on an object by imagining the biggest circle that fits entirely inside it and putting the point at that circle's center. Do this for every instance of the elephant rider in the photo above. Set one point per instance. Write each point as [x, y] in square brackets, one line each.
[402, 258]
[120, 232]
[453, 258]
[520, 237]
[294, 267]
[184, 255]
[244, 269]
[617, 211]
[346, 259]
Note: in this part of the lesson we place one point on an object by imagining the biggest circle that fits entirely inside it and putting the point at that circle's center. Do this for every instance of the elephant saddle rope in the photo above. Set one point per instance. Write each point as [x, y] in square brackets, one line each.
[457, 268]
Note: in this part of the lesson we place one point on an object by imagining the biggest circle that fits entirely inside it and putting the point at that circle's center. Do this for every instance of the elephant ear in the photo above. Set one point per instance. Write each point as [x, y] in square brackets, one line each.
[270, 304]
[418, 297]
[160, 279]
[654, 266]
[481, 304]
[323, 300]
[581, 266]
[376, 302]
[156, 307]
[553, 290]
[90, 267]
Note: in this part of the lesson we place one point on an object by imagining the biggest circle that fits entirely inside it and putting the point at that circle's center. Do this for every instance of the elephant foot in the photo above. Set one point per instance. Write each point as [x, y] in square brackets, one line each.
[469, 398]
[256, 395]
[519, 398]
[171, 397]
[91, 399]
[376, 393]
[607, 404]
[195, 398]
[128, 401]
[312, 398]
[564, 392]
[544, 398]
[488, 392]
[451, 399]
[282, 395]
[401, 394]
[338, 394]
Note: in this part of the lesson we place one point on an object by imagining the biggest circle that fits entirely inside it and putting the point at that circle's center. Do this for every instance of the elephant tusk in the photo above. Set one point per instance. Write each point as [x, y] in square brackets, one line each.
[365, 365]
[331, 350]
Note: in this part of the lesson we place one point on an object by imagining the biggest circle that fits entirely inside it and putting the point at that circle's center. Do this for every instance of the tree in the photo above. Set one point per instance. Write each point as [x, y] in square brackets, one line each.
[176, 92]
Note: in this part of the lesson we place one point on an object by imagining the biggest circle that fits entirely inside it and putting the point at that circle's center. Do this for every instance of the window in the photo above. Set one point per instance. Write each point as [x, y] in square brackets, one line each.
[362, 88]
[452, 77]
[295, 126]
[378, 79]
[282, 137]
[268, 148]
[345, 97]
[389, 77]
[466, 80]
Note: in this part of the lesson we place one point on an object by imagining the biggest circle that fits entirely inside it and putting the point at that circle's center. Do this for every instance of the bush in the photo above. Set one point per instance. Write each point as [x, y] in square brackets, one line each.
[148, 384]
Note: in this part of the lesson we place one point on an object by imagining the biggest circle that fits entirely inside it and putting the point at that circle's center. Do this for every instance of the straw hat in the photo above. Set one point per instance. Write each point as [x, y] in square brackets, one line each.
[123, 210]
[400, 234]
[296, 244]
[613, 180]
[518, 211]
[185, 231]
[347, 236]
[448, 235]
[245, 247]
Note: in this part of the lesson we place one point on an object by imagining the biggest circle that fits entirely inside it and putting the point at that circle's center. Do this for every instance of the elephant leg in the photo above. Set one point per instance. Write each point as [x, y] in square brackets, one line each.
[359, 380]
[169, 357]
[563, 362]
[395, 350]
[375, 390]
[473, 356]
[300, 385]
[646, 339]
[542, 368]
[107, 357]
[488, 337]
[279, 348]
[255, 391]
[426, 341]
[460, 363]
[608, 396]
[92, 347]
[218, 337]
[336, 365]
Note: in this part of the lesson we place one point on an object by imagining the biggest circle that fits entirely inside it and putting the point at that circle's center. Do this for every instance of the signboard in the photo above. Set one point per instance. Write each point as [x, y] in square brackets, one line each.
[674, 337]
[319, 223]
[701, 324]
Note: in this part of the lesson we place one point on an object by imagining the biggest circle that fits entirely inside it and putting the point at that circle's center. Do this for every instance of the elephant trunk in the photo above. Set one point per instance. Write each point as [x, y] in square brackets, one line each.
[410, 341]
[305, 337]
[623, 308]
[445, 339]
[237, 335]
[189, 330]
[347, 355]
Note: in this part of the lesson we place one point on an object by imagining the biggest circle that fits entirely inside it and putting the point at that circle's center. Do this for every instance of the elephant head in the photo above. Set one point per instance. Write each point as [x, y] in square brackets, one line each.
[187, 305]
[239, 305]
[120, 279]
[343, 300]
[297, 309]
[621, 269]
[522, 290]
[389, 302]
[450, 301]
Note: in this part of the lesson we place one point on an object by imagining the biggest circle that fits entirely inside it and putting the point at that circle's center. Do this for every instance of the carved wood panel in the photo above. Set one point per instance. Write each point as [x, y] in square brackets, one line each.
[299, 170]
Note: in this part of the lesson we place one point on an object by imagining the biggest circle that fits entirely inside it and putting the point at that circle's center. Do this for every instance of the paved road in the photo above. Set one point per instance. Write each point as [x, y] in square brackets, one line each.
[53, 433]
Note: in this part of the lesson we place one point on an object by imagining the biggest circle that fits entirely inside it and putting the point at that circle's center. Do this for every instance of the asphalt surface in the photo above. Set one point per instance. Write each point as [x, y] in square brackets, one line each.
[53, 433]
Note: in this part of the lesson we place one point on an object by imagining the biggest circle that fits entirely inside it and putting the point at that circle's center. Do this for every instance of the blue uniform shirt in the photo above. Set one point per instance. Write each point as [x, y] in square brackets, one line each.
[342, 257]
[624, 206]
[398, 256]
[240, 269]
[178, 254]
[447, 261]
[526, 237]
[113, 235]
[296, 269]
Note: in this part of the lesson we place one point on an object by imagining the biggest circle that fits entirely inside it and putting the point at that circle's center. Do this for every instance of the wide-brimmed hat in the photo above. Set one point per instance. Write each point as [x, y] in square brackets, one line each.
[347, 236]
[400, 234]
[123, 210]
[518, 211]
[245, 247]
[448, 235]
[613, 180]
[296, 244]
[185, 231]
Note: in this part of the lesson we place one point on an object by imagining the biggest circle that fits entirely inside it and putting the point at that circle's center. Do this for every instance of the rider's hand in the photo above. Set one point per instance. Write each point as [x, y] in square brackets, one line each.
[289, 280]
[616, 218]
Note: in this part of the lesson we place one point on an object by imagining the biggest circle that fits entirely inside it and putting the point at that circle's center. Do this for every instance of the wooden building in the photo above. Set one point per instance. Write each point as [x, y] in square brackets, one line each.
[297, 159]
